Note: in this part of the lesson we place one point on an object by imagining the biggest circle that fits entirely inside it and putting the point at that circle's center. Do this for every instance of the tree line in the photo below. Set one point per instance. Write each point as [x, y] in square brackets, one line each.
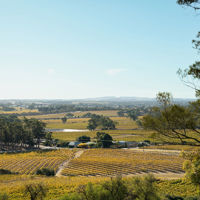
[72, 108]
[18, 133]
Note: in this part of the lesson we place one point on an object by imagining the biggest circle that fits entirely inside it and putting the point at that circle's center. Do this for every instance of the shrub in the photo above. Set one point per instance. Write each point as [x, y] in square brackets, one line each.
[63, 144]
[35, 191]
[5, 171]
[3, 196]
[46, 172]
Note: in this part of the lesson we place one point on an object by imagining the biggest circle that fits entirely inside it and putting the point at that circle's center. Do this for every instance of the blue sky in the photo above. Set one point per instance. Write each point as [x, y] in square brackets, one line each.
[65, 49]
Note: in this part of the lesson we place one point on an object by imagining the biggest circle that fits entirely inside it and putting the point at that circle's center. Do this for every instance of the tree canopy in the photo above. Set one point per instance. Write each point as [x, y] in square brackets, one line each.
[100, 121]
[174, 121]
[20, 133]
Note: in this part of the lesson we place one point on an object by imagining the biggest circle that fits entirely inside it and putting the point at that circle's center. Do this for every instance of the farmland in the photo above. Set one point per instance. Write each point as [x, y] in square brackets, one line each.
[110, 162]
[94, 165]
[29, 163]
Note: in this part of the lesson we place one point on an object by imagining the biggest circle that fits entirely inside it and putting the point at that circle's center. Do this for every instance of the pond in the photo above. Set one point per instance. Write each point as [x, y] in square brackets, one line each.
[66, 130]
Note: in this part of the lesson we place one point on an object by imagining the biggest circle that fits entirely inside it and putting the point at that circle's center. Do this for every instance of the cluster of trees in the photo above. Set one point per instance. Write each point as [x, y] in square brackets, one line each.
[134, 113]
[7, 108]
[102, 122]
[137, 188]
[18, 133]
[67, 116]
[71, 108]
[104, 140]
[83, 139]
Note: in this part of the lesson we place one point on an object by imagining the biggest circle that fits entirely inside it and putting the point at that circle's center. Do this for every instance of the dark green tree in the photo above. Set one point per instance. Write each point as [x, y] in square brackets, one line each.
[104, 140]
[64, 119]
[132, 114]
[104, 123]
[120, 113]
[83, 139]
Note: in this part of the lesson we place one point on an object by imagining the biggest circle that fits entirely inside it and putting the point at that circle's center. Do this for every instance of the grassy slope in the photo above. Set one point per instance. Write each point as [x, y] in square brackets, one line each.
[14, 185]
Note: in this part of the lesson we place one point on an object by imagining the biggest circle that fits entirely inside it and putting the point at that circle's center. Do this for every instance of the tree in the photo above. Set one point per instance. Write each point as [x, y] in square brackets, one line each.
[105, 123]
[192, 168]
[144, 188]
[132, 114]
[104, 140]
[64, 119]
[191, 3]
[191, 75]
[116, 188]
[48, 139]
[69, 115]
[173, 121]
[139, 188]
[18, 133]
[83, 139]
[120, 113]
[35, 191]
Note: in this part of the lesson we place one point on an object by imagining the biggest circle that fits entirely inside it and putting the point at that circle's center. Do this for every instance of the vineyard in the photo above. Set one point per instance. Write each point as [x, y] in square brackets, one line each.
[29, 163]
[108, 162]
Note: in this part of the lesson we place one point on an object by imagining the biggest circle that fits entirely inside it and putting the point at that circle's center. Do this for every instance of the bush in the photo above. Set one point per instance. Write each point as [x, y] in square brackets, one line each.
[5, 171]
[3, 196]
[83, 139]
[117, 189]
[63, 144]
[46, 172]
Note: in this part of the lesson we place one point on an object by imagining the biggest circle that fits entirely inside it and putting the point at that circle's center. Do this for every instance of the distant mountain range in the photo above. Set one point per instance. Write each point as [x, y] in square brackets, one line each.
[129, 99]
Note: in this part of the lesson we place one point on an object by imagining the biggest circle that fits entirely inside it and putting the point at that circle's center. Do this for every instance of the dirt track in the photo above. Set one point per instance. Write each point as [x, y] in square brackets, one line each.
[65, 164]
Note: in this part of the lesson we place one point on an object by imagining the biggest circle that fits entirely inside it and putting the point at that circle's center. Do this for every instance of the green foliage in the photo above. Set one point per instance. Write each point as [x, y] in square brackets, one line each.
[173, 121]
[105, 123]
[16, 133]
[117, 189]
[5, 171]
[62, 144]
[83, 138]
[49, 139]
[144, 188]
[164, 98]
[104, 140]
[69, 115]
[3, 196]
[35, 191]
[121, 113]
[64, 119]
[46, 172]
[192, 168]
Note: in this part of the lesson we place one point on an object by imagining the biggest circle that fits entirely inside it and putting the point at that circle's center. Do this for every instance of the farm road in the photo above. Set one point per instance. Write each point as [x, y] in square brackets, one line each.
[65, 164]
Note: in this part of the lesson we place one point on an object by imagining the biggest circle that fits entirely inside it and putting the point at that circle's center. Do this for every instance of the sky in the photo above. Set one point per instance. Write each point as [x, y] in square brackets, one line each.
[68, 49]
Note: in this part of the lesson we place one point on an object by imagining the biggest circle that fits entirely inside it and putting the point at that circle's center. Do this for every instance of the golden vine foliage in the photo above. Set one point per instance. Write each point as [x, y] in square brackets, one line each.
[111, 162]
[29, 163]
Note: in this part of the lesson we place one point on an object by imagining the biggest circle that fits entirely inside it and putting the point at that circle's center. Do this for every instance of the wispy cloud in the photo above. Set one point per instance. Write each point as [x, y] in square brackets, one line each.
[113, 72]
